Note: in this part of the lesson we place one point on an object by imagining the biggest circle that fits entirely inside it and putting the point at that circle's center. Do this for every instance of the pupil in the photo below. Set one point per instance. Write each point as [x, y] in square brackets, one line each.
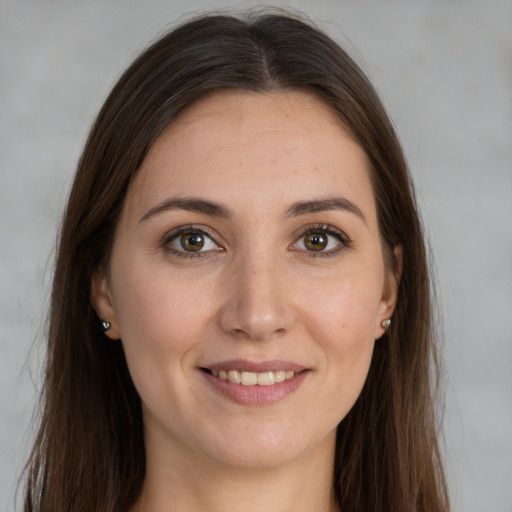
[316, 241]
[192, 241]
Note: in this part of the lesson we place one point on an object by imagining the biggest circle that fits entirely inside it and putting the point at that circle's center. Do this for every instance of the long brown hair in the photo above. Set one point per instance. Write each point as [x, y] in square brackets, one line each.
[89, 451]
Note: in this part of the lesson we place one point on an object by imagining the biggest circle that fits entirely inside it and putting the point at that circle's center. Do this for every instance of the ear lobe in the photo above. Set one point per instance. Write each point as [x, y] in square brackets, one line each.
[389, 292]
[101, 300]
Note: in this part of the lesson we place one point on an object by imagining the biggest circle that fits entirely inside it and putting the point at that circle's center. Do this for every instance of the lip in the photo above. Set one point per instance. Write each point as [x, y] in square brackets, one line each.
[256, 395]
[243, 365]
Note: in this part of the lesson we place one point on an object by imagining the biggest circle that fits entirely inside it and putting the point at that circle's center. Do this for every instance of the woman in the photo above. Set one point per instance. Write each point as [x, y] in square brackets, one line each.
[241, 308]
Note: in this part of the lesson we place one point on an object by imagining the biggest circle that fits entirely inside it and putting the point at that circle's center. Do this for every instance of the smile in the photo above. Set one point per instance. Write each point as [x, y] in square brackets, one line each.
[255, 384]
[252, 379]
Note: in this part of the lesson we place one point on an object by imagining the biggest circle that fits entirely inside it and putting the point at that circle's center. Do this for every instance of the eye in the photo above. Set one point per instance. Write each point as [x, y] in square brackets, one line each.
[322, 239]
[190, 242]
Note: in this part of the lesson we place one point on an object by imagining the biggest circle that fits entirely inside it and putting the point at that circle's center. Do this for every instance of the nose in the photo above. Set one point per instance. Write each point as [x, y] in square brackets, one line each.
[258, 305]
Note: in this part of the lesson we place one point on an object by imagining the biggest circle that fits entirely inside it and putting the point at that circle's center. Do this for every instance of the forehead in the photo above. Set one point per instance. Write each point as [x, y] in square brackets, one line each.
[252, 146]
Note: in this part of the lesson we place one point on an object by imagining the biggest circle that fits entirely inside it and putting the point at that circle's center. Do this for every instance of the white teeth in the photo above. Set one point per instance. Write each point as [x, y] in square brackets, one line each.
[280, 376]
[266, 379]
[234, 376]
[251, 378]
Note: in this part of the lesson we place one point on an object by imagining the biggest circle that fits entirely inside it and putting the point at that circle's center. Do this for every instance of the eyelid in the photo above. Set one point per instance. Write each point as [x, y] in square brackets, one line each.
[344, 241]
[176, 232]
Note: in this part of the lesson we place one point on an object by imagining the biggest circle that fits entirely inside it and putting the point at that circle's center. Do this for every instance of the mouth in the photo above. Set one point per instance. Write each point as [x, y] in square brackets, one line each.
[255, 384]
[245, 378]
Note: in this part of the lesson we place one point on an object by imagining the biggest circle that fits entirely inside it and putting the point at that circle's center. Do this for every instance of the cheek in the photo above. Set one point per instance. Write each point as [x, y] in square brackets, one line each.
[162, 321]
[160, 318]
[345, 307]
[342, 321]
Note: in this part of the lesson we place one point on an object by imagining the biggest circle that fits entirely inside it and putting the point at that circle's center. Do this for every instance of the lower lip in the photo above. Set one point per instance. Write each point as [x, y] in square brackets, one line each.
[256, 395]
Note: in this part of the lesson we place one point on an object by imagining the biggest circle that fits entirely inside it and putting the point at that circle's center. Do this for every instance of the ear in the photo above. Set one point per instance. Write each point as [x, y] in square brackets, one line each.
[390, 291]
[101, 300]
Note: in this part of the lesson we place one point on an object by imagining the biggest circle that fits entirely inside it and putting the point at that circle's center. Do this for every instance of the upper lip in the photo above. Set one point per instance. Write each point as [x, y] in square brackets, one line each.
[245, 365]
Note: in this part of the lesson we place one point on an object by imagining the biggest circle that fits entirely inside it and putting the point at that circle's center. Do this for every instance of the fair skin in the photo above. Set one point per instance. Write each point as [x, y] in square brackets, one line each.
[248, 241]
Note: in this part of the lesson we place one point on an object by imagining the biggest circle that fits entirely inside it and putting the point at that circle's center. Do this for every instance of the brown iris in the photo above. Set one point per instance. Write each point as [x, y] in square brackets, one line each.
[192, 241]
[315, 241]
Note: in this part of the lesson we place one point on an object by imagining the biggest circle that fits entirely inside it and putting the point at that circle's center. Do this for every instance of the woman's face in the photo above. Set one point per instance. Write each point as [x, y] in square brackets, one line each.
[248, 249]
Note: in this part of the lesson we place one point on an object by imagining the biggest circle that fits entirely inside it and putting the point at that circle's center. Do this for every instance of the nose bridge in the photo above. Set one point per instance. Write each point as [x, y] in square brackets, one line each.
[257, 306]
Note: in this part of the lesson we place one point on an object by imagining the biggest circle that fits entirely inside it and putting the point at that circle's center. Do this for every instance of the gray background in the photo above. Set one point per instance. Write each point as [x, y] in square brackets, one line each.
[444, 70]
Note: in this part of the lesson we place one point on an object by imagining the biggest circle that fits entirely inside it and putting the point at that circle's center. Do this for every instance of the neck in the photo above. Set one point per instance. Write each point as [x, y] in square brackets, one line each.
[188, 482]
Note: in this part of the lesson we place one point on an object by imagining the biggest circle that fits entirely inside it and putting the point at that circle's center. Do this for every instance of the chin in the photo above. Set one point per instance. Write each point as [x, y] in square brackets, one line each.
[268, 446]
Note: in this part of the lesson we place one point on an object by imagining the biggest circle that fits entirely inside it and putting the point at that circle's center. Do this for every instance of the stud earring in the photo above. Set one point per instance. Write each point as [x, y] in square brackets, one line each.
[105, 326]
[386, 323]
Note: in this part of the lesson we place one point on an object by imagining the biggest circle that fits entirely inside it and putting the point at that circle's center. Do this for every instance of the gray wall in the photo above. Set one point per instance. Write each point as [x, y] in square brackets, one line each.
[444, 69]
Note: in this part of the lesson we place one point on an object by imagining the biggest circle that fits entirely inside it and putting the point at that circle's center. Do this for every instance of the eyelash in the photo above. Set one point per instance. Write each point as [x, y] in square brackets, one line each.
[175, 233]
[344, 241]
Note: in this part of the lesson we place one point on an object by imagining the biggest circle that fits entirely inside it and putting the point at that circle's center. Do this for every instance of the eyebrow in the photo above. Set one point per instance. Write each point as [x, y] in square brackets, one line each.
[206, 207]
[190, 204]
[323, 205]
